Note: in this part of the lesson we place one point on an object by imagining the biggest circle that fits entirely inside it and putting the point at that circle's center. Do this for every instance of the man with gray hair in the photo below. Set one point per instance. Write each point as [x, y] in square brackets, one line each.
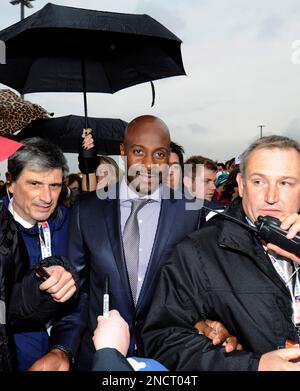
[23, 302]
[224, 272]
[35, 175]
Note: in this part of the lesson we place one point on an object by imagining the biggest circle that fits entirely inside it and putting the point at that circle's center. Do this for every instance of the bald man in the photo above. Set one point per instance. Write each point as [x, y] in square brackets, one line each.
[108, 236]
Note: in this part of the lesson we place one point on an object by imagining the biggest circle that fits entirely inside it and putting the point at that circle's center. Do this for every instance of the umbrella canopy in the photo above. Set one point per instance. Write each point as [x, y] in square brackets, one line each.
[8, 147]
[66, 132]
[58, 47]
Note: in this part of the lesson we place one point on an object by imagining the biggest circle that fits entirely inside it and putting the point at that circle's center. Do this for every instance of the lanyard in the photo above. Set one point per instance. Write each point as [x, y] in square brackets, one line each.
[45, 239]
[45, 243]
[293, 284]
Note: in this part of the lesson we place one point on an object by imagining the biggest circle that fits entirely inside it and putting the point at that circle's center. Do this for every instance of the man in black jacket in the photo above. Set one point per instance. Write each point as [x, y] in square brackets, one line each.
[25, 303]
[224, 272]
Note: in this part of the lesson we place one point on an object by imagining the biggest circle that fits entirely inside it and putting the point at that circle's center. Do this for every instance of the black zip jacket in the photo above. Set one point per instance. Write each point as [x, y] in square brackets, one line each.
[221, 273]
[23, 306]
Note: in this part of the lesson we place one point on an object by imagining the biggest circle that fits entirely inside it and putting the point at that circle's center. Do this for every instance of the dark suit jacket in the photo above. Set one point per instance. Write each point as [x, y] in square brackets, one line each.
[96, 246]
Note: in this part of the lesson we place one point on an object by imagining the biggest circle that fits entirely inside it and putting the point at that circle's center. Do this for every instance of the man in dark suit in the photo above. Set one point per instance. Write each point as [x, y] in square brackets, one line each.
[106, 232]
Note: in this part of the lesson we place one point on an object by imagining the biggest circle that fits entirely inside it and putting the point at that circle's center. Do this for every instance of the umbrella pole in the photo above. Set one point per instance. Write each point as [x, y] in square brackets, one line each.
[153, 93]
[86, 153]
[83, 74]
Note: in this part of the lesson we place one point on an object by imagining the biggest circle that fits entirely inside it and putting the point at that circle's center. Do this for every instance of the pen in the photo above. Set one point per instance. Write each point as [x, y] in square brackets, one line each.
[41, 272]
[106, 296]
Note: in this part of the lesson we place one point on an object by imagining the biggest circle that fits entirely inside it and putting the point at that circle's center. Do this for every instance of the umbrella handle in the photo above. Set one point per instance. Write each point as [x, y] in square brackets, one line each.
[89, 153]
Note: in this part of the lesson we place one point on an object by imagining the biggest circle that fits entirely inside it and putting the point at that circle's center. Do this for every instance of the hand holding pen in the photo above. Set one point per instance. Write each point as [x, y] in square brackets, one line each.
[112, 332]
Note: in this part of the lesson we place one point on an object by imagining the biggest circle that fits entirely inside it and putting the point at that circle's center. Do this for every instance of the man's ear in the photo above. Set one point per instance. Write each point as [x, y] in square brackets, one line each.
[240, 183]
[8, 177]
[9, 182]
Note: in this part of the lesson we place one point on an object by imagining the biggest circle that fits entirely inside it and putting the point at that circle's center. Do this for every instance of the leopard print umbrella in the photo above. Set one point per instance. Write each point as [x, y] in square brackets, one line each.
[16, 113]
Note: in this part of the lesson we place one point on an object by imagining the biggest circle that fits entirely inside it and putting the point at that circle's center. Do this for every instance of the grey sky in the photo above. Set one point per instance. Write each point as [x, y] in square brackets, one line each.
[237, 55]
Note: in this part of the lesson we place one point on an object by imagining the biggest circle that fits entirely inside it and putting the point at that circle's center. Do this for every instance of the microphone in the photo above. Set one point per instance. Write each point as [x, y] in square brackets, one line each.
[267, 228]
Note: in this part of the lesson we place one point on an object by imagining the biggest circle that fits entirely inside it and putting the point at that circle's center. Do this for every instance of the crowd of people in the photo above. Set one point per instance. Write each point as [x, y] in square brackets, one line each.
[190, 289]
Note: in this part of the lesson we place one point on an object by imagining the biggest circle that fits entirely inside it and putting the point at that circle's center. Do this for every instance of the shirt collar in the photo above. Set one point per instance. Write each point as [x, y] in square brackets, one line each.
[127, 194]
[249, 221]
[17, 217]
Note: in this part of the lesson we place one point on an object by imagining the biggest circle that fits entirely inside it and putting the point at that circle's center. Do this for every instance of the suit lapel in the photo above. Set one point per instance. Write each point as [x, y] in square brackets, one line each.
[113, 222]
[162, 237]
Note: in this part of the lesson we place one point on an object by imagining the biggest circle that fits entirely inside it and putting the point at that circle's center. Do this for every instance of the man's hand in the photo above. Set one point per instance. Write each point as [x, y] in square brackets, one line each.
[60, 284]
[218, 334]
[291, 224]
[112, 332]
[279, 360]
[55, 360]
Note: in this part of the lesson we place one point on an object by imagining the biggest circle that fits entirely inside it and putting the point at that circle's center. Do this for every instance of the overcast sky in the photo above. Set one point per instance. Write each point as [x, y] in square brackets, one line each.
[237, 56]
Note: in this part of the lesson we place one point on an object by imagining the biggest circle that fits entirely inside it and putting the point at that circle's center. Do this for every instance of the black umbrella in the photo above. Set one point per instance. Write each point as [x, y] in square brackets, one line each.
[65, 131]
[70, 49]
